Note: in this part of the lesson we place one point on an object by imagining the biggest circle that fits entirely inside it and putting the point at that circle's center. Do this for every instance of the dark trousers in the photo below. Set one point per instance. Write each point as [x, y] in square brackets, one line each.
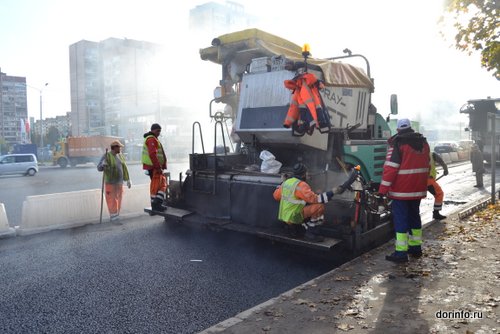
[479, 179]
[406, 215]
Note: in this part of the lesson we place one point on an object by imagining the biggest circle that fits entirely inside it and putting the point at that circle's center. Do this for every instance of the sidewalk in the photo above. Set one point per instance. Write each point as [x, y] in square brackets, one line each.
[457, 277]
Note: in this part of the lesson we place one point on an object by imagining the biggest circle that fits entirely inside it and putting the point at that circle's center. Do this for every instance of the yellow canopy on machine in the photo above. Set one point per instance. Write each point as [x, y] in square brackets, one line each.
[243, 46]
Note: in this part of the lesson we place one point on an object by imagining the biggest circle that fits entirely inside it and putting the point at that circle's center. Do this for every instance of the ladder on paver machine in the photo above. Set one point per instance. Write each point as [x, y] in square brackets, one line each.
[201, 161]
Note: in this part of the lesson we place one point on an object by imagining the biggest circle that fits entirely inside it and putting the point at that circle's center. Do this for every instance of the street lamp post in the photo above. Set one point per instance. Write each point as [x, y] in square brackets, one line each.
[41, 119]
[40, 90]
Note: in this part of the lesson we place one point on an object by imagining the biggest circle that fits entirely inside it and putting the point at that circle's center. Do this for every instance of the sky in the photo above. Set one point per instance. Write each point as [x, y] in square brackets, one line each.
[400, 38]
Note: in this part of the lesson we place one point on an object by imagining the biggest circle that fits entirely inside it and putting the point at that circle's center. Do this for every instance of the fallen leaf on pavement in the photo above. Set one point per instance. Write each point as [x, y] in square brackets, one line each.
[345, 327]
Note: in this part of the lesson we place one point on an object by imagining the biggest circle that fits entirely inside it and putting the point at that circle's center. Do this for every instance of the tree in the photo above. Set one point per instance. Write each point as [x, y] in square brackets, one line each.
[35, 138]
[4, 146]
[477, 27]
[52, 136]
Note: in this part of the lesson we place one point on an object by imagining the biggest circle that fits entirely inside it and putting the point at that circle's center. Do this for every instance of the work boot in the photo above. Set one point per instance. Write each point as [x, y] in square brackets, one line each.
[437, 215]
[397, 257]
[415, 251]
[157, 205]
[115, 220]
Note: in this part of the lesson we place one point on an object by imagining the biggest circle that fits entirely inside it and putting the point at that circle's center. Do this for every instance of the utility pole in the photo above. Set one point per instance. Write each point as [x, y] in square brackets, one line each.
[41, 117]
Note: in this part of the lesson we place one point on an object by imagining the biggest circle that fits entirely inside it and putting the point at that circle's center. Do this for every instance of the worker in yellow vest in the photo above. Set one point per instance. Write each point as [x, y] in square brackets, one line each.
[115, 174]
[300, 208]
[154, 161]
[434, 188]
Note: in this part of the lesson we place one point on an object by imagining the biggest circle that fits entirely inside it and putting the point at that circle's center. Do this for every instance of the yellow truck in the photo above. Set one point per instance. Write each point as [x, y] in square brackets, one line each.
[81, 150]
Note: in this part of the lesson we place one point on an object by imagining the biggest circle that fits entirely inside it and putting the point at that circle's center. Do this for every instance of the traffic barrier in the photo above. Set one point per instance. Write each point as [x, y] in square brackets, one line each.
[446, 157]
[463, 155]
[454, 156]
[134, 200]
[5, 229]
[77, 208]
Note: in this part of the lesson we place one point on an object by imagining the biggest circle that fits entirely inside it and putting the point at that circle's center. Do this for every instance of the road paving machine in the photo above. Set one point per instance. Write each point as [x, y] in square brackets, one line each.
[265, 126]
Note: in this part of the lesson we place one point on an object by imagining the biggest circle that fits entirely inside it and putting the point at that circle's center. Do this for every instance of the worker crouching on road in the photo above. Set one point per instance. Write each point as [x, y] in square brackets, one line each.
[300, 208]
[154, 161]
[404, 180]
[115, 173]
[434, 188]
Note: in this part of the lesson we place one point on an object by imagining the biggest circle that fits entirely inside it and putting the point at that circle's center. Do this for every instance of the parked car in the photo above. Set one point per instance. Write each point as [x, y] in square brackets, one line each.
[26, 164]
[446, 147]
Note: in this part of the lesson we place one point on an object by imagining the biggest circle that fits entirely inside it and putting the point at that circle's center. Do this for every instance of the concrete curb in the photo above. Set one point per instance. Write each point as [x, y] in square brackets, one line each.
[228, 323]
[478, 206]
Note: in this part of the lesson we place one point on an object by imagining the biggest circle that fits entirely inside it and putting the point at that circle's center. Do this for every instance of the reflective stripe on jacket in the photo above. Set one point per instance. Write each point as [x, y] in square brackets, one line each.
[302, 192]
[406, 168]
[306, 95]
[290, 210]
[112, 172]
[155, 157]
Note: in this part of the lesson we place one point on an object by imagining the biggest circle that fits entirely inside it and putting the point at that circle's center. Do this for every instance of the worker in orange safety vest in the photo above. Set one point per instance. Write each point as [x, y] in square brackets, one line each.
[154, 161]
[434, 188]
[306, 111]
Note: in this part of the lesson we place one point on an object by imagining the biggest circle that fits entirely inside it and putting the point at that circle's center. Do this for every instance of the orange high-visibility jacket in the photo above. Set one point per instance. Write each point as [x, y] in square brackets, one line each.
[305, 94]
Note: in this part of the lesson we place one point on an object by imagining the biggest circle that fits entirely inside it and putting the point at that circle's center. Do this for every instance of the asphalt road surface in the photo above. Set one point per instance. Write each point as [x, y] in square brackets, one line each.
[142, 277]
[147, 276]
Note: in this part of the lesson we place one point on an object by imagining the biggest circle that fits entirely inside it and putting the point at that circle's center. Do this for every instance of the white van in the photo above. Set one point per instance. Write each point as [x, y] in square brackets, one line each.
[18, 164]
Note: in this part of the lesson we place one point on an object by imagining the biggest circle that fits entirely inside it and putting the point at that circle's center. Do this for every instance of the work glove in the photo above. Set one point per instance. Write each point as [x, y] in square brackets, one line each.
[129, 184]
[326, 196]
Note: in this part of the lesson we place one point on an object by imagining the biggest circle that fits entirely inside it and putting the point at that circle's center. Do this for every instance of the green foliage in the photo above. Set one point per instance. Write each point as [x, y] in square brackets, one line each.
[4, 146]
[35, 138]
[477, 26]
[52, 136]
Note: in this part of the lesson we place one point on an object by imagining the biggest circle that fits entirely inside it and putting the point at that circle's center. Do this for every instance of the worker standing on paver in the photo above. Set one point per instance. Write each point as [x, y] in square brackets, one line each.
[404, 180]
[154, 161]
[434, 188]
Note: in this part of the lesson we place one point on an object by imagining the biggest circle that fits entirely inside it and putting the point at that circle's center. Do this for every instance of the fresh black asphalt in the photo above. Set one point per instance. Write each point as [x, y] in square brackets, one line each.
[142, 277]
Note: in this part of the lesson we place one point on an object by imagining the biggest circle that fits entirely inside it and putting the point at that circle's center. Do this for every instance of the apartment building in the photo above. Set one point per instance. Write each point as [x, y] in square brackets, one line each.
[13, 109]
[114, 87]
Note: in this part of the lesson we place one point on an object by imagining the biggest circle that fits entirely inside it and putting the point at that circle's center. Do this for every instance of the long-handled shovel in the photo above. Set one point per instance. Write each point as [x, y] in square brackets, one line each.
[102, 191]
[440, 177]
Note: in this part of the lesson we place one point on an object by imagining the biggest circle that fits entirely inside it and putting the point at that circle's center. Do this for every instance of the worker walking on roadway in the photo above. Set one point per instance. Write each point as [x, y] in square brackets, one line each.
[300, 208]
[115, 170]
[477, 159]
[404, 180]
[434, 188]
[154, 161]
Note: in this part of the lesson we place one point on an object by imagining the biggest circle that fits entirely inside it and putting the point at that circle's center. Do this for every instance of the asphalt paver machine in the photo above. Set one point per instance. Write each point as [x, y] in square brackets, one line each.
[229, 188]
